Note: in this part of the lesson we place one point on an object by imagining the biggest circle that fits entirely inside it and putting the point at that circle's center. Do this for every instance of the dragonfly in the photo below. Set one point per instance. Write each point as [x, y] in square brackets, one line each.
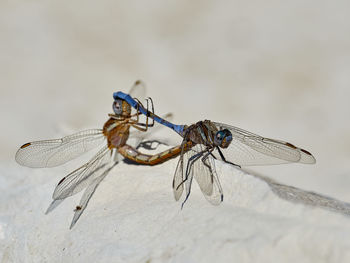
[113, 136]
[210, 140]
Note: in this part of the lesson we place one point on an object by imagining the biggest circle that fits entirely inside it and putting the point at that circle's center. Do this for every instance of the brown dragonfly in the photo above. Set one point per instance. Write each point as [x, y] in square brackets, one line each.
[113, 136]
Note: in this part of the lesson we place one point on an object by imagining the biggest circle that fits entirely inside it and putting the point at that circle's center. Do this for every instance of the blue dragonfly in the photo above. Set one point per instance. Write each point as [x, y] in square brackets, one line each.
[206, 140]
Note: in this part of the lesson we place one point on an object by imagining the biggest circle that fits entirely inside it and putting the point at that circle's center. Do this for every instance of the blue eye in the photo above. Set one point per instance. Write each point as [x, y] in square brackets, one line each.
[223, 138]
[117, 107]
[220, 135]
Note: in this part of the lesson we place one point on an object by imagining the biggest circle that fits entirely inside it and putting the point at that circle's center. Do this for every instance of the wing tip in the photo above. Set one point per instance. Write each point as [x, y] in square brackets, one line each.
[19, 156]
[307, 157]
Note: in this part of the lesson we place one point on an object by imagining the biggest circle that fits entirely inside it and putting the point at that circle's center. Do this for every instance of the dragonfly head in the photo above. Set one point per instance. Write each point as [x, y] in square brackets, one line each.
[121, 107]
[223, 138]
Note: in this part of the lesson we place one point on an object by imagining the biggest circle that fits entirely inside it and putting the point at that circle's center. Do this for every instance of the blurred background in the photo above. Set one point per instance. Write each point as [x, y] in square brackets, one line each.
[278, 69]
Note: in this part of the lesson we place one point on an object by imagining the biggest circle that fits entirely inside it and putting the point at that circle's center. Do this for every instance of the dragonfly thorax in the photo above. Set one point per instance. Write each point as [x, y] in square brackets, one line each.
[206, 133]
[116, 133]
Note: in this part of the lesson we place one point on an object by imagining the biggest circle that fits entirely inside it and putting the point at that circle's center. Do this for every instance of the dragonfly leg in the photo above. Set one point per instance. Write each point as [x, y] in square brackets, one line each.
[129, 120]
[223, 158]
[148, 113]
[205, 157]
[190, 162]
[213, 172]
[189, 168]
[118, 118]
[187, 194]
[136, 126]
[136, 122]
[124, 120]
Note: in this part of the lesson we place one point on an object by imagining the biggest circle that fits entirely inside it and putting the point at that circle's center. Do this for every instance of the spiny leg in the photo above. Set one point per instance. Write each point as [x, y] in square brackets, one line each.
[137, 118]
[204, 160]
[129, 121]
[189, 167]
[141, 126]
[126, 120]
[205, 157]
[138, 127]
[223, 158]
[123, 118]
[190, 162]
[147, 116]
[187, 194]
[116, 117]
[148, 113]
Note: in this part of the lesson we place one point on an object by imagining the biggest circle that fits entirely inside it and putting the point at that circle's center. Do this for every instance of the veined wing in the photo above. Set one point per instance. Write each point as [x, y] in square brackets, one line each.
[204, 171]
[50, 153]
[191, 165]
[179, 179]
[179, 176]
[91, 183]
[248, 148]
[83, 176]
[89, 191]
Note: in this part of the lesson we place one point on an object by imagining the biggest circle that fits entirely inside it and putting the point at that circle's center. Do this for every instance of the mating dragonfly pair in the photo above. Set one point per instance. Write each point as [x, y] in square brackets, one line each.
[203, 142]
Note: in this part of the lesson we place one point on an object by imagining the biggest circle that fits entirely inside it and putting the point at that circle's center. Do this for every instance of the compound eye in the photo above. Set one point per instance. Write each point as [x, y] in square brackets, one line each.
[117, 107]
[223, 138]
[219, 136]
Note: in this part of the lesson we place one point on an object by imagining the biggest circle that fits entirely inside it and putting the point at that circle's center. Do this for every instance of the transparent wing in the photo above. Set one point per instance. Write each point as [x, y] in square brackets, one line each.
[83, 176]
[88, 193]
[178, 179]
[216, 196]
[248, 148]
[50, 153]
[191, 163]
[205, 174]
[53, 205]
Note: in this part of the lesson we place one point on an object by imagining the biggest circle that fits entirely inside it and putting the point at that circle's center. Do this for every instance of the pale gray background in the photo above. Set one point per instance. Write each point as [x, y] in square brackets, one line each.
[277, 68]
